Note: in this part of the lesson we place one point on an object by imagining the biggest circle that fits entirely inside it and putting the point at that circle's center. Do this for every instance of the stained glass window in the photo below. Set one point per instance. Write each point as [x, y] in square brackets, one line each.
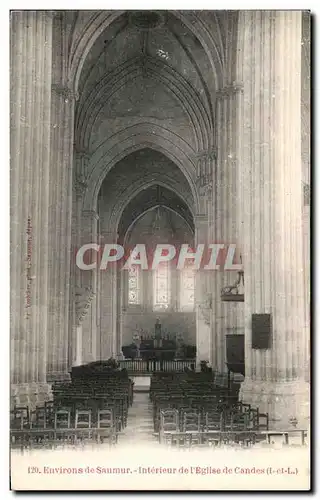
[187, 289]
[161, 287]
[134, 288]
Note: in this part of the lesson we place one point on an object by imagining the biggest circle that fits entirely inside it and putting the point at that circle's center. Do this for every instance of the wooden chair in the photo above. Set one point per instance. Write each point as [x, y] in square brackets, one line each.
[263, 421]
[62, 419]
[191, 421]
[238, 429]
[20, 427]
[40, 418]
[106, 426]
[213, 423]
[192, 427]
[83, 419]
[63, 433]
[42, 429]
[20, 417]
[83, 425]
[169, 420]
[49, 409]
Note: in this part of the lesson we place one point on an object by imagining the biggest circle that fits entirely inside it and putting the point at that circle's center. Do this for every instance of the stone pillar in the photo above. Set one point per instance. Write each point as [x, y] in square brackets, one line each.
[203, 296]
[118, 350]
[204, 233]
[109, 340]
[228, 316]
[31, 49]
[305, 157]
[62, 118]
[272, 239]
[87, 291]
[78, 186]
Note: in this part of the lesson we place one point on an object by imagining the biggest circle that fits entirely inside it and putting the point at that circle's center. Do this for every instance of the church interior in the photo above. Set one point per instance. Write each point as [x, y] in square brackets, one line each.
[147, 128]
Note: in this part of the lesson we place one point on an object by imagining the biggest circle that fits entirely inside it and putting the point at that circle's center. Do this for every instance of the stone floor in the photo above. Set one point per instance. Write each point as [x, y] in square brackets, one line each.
[139, 427]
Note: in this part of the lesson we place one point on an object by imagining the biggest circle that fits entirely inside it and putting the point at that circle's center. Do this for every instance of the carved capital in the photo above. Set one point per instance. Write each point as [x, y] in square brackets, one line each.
[200, 219]
[209, 154]
[205, 185]
[230, 90]
[81, 154]
[83, 299]
[67, 93]
[80, 186]
[90, 214]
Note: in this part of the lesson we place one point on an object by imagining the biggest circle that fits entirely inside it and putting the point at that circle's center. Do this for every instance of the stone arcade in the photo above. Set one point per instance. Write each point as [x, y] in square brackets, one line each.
[160, 127]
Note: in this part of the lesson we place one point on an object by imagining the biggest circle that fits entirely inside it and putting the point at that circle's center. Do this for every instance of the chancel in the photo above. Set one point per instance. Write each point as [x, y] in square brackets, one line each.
[159, 127]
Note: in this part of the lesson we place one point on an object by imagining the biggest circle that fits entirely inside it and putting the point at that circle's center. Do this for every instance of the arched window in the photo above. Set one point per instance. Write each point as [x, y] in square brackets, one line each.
[187, 289]
[134, 287]
[162, 287]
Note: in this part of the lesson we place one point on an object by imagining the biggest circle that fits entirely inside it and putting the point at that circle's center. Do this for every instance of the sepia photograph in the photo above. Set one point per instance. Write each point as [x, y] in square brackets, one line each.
[160, 250]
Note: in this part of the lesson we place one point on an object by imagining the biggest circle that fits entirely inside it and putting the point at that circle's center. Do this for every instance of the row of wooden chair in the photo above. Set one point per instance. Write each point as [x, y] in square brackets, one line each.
[201, 387]
[190, 428]
[190, 420]
[202, 408]
[42, 428]
[40, 418]
[200, 403]
[86, 399]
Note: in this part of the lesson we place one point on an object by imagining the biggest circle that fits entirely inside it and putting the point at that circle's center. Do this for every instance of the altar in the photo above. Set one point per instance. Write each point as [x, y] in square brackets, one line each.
[158, 346]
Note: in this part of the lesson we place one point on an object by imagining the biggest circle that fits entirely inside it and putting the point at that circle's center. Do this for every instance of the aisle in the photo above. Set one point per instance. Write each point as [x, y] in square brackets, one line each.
[140, 422]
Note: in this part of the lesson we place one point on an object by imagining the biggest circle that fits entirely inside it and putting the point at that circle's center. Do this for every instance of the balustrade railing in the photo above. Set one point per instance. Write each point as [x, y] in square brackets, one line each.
[151, 366]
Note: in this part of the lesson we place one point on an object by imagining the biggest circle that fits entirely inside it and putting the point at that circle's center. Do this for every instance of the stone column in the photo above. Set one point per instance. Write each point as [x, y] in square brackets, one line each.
[109, 340]
[31, 49]
[87, 291]
[118, 350]
[62, 118]
[79, 186]
[203, 296]
[305, 157]
[205, 229]
[228, 316]
[272, 239]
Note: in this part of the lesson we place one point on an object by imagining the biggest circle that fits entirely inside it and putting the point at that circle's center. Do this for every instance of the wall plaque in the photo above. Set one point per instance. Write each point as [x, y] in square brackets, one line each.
[261, 331]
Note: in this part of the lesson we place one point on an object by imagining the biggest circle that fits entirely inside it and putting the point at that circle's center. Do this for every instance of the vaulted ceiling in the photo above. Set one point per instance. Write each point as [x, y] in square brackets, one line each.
[141, 181]
[146, 66]
[156, 205]
[147, 77]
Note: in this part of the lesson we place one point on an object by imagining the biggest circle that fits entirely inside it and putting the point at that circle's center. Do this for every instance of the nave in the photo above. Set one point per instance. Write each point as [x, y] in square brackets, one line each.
[103, 407]
[146, 128]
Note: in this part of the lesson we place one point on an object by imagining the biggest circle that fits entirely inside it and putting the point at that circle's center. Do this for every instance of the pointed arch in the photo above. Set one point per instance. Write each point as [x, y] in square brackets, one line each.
[132, 139]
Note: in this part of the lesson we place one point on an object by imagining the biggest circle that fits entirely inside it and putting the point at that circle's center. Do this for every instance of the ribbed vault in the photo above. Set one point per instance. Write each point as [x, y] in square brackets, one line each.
[88, 27]
[154, 197]
[146, 79]
[142, 180]
[145, 68]
[133, 139]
